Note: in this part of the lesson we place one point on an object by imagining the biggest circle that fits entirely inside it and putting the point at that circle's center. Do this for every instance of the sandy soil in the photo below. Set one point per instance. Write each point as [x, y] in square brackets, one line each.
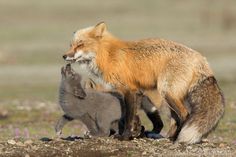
[111, 147]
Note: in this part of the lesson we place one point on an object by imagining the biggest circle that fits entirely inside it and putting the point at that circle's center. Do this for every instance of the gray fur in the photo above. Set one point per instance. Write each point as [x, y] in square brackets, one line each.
[97, 110]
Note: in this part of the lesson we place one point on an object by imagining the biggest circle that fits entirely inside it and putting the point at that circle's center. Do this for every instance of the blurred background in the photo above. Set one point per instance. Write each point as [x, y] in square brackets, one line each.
[35, 34]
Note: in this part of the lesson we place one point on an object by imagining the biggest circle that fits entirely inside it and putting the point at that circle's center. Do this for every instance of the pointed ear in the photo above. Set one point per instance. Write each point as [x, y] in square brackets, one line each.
[99, 29]
[90, 84]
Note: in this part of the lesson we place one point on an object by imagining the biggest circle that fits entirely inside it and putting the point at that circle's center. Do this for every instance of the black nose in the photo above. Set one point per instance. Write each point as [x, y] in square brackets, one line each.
[64, 56]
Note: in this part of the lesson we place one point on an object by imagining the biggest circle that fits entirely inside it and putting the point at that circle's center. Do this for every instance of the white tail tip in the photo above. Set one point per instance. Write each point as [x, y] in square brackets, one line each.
[189, 134]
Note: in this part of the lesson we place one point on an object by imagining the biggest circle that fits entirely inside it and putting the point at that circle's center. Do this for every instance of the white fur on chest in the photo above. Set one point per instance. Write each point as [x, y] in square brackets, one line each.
[92, 71]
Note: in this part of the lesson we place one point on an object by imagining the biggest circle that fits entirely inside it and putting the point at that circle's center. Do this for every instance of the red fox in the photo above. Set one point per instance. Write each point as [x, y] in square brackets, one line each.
[165, 69]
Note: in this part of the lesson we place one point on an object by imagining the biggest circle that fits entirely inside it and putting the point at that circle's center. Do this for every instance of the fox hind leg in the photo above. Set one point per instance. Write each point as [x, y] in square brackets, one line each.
[175, 126]
[179, 114]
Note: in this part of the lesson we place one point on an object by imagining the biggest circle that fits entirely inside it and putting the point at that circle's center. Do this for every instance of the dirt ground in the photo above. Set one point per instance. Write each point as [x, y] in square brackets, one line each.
[27, 129]
[111, 147]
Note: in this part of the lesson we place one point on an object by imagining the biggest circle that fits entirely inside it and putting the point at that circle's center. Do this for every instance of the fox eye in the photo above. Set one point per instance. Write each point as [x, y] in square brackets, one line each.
[80, 44]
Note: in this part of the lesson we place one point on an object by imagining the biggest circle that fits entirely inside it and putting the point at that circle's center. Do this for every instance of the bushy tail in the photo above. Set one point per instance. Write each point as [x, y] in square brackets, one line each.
[207, 108]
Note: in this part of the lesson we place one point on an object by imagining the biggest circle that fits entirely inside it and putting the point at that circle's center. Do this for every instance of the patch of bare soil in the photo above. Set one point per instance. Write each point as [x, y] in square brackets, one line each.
[111, 147]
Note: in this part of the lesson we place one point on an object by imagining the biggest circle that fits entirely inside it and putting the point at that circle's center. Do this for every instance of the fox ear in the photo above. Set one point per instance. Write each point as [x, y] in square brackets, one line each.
[99, 29]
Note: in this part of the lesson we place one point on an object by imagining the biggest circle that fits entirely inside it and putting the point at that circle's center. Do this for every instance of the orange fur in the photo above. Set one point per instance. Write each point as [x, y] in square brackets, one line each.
[169, 69]
[144, 64]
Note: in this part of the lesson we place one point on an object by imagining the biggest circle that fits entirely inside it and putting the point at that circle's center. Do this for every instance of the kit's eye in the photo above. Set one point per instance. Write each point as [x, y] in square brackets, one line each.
[70, 45]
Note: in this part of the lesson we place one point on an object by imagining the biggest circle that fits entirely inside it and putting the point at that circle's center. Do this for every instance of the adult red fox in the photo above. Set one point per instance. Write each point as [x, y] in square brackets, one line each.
[160, 68]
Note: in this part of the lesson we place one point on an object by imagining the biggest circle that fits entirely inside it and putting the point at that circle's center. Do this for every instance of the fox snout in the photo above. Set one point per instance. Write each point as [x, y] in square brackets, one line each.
[68, 57]
[64, 57]
[72, 57]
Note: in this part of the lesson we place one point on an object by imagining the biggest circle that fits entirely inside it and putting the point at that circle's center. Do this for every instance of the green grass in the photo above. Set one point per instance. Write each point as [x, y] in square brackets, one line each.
[38, 121]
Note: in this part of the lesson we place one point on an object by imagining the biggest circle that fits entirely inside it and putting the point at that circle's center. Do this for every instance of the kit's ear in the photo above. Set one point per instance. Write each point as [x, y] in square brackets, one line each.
[90, 84]
[99, 29]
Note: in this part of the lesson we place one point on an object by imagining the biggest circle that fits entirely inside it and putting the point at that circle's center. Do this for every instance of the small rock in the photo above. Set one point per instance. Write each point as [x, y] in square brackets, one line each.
[28, 142]
[189, 147]
[34, 148]
[3, 113]
[27, 155]
[233, 105]
[222, 145]
[205, 140]
[20, 144]
[11, 142]
[144, 153]
[174, 146]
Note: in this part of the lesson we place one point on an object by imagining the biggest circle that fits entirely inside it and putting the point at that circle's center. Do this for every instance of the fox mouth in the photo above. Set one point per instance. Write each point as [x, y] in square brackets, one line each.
[86, 61]
[82, 60]
[79, 60]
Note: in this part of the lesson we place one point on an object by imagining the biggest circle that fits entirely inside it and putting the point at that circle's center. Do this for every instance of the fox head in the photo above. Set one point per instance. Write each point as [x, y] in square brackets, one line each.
[85, 44]
[71, 82]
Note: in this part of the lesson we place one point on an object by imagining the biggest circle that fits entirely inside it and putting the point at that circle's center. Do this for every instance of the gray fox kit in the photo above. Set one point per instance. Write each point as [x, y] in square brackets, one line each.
[97, 110]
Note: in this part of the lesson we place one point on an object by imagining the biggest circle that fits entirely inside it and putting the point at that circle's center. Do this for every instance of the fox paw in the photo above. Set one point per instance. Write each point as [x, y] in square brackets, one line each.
[153, 135]
[126, 136]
